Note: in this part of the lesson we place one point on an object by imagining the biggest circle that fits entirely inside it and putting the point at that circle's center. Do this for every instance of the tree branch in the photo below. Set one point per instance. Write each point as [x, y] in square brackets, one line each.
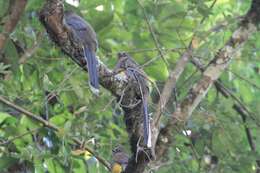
[15, 10]
[250, 140]
[210, 75]
[225, 91]
[172, 81]
[124, 89]
[51, 126]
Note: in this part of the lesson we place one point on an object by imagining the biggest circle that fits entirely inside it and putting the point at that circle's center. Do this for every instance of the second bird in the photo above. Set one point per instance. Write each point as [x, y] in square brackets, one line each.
[87, 38]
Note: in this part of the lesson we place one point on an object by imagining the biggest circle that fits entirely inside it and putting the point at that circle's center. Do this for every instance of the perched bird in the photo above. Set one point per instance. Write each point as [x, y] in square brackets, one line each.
[132, 70]
[86, 36]
[120, 160]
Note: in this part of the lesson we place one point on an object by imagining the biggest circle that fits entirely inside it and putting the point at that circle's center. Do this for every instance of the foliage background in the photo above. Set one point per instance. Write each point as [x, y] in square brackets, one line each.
[217, 131]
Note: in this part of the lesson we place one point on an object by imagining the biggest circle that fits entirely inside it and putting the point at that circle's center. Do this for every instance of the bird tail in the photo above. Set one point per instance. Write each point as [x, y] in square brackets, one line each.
[92, 64]
[147, 127]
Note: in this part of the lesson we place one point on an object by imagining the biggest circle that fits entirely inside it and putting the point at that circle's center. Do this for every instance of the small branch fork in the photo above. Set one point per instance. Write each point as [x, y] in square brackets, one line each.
[210, 75]
[51, 17]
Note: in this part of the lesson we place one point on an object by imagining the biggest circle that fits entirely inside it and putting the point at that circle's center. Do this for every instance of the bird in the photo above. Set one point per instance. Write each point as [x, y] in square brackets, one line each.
[132, 70]
[120, 159]
[87, 38]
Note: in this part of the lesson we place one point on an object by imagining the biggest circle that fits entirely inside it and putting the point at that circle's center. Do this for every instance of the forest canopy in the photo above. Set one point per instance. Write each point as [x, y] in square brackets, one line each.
[196, 63]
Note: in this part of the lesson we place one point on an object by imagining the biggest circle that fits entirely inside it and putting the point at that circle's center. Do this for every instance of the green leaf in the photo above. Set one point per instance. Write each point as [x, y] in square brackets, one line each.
[246, 93]
[12, 55]
[3, 7]
[79, 166]
[4, 116]
[38, 166]
[158, 70]
[29, 123]
[58, 120]
[54, 166]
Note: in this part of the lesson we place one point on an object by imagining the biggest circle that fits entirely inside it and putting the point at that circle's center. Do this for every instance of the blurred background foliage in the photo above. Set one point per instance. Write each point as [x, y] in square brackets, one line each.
[33, 70]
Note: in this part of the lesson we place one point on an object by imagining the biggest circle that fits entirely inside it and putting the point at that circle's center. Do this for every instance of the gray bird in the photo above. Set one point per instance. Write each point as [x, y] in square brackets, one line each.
[133, 71]
[120, 160]
[87, 38]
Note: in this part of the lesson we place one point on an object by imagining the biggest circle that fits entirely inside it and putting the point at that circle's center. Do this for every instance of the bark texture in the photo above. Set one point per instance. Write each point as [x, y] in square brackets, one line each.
[210, 74]
[125, 89]
[15, 11]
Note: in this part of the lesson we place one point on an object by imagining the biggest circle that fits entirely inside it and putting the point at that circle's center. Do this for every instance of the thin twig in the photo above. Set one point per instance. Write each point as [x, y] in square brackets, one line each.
[136, 51]
[248, 132]
[153, 49]
[225, 91]
[61, 84]
[30, 51]
[153, 34]
[244, 79]
[174, 76]
[28, 114]
[19, 136]
[241, 104]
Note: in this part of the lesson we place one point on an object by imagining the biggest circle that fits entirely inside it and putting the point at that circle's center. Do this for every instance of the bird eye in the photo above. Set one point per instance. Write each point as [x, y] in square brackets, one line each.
[122, 54]
[117, 149]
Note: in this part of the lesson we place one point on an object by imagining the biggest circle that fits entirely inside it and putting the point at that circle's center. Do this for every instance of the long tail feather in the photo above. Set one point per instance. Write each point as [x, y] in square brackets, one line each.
[146, 120]
[92, 63]
[147, 127]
